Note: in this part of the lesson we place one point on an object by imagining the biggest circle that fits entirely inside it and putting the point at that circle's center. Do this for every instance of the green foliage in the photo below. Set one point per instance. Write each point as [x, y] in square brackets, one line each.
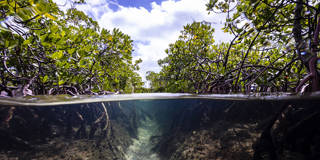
[269, 37]
[264, 52]
[188, 63]
[51, 52]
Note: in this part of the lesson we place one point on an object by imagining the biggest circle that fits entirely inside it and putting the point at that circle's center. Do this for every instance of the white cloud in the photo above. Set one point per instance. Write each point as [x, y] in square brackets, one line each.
[153, 30]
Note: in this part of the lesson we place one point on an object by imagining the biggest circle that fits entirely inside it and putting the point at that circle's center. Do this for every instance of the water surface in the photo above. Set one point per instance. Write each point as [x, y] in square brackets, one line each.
[159, 126]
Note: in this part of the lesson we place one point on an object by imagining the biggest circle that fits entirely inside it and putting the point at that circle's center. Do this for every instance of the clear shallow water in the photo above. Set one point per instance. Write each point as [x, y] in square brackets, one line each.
[146, 126]
[142, 145]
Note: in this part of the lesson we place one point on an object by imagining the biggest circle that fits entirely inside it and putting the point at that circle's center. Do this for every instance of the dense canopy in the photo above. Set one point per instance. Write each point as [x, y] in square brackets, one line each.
[275, 48]
[44, 50]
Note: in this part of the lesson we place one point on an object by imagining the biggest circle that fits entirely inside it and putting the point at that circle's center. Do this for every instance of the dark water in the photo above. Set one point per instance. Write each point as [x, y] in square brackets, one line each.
[160, 126]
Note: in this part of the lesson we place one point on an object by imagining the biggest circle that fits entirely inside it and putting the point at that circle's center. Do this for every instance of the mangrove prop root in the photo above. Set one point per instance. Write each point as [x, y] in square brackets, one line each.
[107, 126]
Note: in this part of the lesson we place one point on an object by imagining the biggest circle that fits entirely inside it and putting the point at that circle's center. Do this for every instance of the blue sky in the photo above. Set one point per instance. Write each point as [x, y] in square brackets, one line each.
[135, 3]
[152, 24]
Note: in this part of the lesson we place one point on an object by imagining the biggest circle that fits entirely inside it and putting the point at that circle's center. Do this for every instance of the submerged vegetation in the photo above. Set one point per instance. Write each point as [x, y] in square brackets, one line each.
[275, 48]
[162, 129]
[44, 50]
